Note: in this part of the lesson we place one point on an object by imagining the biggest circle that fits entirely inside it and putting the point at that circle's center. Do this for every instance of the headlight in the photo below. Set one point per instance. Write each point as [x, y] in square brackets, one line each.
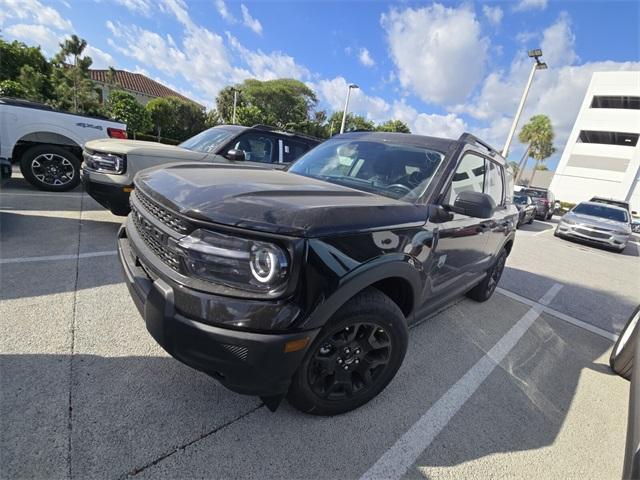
[568, 221]
[105, 162]
[249, 265]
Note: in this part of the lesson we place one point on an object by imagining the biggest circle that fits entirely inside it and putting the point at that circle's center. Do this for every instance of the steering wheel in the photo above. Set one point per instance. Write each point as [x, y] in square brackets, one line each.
[416, 177]
[403, 189]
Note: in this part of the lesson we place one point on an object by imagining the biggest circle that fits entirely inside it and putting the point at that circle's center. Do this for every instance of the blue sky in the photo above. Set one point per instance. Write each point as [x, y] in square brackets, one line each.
[442, 67]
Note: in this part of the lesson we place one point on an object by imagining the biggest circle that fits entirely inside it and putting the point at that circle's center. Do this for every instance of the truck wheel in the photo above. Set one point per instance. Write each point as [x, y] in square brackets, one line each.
[621, 359]
[483, 291]
[354, 357]
[50, 168]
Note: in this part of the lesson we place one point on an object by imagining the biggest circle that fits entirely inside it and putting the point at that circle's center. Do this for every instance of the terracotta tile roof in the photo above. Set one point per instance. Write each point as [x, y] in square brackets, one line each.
[137, 82]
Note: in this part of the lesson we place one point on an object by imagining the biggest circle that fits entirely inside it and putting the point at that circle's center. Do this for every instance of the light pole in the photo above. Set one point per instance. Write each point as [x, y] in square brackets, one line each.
[235, 101]
[346, 106]
[537, 65]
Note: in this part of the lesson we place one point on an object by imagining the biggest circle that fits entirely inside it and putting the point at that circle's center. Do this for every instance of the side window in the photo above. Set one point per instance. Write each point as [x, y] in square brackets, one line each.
[469, 176]
[292, 150]
[493, 185]
[257, 147]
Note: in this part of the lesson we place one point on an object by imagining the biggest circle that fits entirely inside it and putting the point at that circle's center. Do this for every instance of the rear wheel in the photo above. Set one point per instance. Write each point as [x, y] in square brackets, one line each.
[484, 290]
[621, 359]
[354, 358]
[51, 168]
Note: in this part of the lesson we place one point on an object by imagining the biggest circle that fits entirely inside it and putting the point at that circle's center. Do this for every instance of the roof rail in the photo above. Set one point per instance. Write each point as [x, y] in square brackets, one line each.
[470, 138]
[271, 128]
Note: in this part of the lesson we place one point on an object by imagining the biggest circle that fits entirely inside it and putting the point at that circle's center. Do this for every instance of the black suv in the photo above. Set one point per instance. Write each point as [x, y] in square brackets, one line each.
[303, 283]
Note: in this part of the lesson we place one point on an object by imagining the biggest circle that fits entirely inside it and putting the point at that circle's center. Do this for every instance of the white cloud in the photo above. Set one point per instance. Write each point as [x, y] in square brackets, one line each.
[530, 5]
[333, 93]
[48, 40]
[137, 6]
[101, 59]
[558, 42]
[253, 23]
[365, 58]
[526, 37]
[432, 62]
[224, 12]
[35, 12]
[493, 14]
[433, 125]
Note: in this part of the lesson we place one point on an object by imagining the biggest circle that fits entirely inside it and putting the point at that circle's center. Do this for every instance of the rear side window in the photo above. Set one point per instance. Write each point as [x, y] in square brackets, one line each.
[493, 182]
[292, 150]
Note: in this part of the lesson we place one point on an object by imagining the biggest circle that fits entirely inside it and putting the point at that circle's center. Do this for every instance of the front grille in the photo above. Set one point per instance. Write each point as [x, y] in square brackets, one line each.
[162, 214]
[592, 234]
[167, 255]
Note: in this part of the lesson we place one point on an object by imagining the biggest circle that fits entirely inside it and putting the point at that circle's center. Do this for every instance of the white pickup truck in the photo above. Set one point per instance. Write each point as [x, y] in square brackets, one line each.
[48, 143]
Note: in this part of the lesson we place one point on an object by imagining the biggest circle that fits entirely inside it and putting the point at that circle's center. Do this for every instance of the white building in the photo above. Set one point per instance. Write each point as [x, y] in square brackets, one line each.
[602, 155]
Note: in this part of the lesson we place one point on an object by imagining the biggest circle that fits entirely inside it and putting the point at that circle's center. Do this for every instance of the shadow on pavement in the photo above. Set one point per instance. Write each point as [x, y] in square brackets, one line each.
[536, 226]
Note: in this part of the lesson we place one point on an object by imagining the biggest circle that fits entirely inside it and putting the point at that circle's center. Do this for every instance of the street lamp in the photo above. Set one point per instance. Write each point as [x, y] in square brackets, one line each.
[346, 106]
[235, 101]
[537, 65]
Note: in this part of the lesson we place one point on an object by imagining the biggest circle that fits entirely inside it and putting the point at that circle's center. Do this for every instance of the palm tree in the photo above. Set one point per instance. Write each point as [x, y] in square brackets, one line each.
[74, 47]
[538, 133]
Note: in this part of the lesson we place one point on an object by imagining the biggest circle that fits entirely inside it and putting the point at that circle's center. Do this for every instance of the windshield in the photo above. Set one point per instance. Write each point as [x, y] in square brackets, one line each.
[602, 211]
[520, 199]
[397, 171]
[535, 193]
[207, 141]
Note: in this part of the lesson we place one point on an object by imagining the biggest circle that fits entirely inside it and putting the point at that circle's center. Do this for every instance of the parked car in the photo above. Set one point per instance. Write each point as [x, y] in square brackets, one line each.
[618, 203]
[635, 224]
[303, 282]
[47, 143]
[597, 223]
[626, 353]
[544, 200]
[110, 165]
[526, 209]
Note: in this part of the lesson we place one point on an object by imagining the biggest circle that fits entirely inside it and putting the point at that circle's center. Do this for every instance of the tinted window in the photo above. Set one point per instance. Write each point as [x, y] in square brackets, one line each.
[292, 150]
[602, 211]
[493, 184]
[257, 147]
[469, 176]
[608, 138]
[520, 199]
[394, 170]
[632, 103]
[207, 141]
[535, 193]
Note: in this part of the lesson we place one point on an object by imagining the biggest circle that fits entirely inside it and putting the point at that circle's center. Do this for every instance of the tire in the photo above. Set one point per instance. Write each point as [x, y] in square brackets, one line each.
[120, 211]
[531, 219]
[484, 290]
[332, 380]
[549, 215]
[621, 359]
[50, 168]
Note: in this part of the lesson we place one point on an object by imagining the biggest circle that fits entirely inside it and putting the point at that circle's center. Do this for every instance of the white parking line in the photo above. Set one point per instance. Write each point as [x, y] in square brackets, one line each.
[57, 257]
[559, 315]
[396, 461]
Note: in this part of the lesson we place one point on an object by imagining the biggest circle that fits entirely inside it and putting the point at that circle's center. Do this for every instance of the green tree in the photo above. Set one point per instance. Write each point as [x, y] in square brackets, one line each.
[27, 66]
[538, 134]
[212, 118]
[352, 122]
[160, 111]
[124, 107]
[11, 88]
[188, 119]
[279, 102]
[73, 86]
[393, 126]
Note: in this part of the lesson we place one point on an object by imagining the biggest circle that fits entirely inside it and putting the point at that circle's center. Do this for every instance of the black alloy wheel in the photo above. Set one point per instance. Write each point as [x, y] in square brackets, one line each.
[349, 361]
[353, 358]
[485, 289]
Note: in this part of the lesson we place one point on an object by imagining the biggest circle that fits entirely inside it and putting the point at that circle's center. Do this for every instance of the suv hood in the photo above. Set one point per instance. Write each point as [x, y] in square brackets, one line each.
[142, 148]
[273, 201]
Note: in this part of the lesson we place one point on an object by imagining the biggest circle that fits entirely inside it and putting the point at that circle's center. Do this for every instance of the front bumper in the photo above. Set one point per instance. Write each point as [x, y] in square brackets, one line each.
[245, 362]
[590, 235]
[114, 197]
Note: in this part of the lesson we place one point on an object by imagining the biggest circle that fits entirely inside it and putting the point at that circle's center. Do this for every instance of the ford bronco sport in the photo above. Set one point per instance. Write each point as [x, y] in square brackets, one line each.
[302, 283]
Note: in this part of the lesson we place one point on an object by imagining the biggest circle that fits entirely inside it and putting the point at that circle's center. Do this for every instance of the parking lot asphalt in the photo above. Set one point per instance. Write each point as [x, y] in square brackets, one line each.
[518, 386]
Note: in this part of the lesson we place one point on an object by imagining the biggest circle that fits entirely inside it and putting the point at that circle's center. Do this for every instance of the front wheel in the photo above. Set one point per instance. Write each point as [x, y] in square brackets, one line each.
[354, 358]
[484, 290]
[51, 168]
[621, 359]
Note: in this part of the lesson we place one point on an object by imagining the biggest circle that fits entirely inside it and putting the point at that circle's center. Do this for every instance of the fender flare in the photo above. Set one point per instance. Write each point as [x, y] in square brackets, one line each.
[390, 266]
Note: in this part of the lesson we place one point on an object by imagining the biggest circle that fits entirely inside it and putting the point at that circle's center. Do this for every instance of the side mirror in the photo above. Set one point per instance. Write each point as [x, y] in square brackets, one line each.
[235, 154]
[474, 204]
